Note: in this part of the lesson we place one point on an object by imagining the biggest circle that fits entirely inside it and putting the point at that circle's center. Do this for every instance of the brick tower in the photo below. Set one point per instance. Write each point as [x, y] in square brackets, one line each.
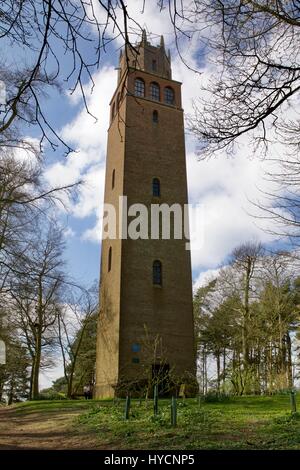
[146, 318]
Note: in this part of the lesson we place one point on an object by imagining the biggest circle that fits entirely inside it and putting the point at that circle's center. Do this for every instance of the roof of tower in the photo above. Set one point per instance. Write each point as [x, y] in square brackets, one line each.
[144, 36]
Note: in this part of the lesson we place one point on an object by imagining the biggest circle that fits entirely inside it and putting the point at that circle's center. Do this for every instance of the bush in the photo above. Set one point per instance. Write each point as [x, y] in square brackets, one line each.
[215, 397]
[52, 395]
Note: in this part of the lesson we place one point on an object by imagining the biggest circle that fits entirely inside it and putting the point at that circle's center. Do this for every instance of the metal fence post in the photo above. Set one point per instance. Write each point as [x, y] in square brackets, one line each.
[127, 407]
[173, 411]
[293, 401]
[155, 399]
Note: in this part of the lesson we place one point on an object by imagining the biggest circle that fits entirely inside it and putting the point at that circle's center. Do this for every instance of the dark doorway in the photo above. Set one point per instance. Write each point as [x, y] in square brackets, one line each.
[160, 375]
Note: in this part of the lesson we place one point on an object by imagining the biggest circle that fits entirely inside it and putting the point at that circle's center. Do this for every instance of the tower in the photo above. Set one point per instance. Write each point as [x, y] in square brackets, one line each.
[146, 318]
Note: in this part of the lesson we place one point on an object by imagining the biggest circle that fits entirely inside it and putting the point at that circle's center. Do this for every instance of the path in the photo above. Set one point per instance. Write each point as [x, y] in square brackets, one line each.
[53, 429]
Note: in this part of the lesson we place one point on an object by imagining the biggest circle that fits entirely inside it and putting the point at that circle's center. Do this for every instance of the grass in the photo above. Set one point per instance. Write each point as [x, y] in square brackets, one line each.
[45, 406]
[238, 423]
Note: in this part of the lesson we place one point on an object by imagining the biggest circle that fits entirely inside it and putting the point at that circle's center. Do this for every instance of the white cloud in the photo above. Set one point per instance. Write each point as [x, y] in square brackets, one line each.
[94, 234]
[225, 188]
[89, 139]
[69, 232]
[205, 277]
[49, 375]
[85, 132]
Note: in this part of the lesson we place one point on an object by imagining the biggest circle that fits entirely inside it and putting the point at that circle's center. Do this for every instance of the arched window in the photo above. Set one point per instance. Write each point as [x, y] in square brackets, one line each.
[169, 95]
[109, 259]
[155, 116]
[155, 187]
[154, 65]
[154, 91]
[139, 87]
[113, 179]
[113, 110]
[157, 273]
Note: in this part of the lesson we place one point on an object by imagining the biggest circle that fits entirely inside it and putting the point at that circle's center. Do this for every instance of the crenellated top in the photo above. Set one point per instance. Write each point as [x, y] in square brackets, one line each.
[148, 58]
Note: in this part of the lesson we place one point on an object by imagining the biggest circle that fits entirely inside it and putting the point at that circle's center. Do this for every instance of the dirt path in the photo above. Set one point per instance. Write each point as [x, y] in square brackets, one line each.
[47, 430]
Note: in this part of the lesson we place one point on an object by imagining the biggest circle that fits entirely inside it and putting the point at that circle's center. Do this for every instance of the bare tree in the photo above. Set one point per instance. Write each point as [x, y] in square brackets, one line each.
[279, 207]
[250, 318]
[245, 259]
[254, 47]
[35, 290]
[24, 198]
[76, 314]
[55, 32]
[279, 301]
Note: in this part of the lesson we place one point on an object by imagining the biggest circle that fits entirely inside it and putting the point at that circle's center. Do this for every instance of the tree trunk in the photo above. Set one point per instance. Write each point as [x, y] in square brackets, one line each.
[218, 371]
[224, 368]
[289, 361]
[36, 366]
[205, 373]
[31, 379]
[246, 318]
[11, 392]
[70, 381]
[270, 357]
[38, 342]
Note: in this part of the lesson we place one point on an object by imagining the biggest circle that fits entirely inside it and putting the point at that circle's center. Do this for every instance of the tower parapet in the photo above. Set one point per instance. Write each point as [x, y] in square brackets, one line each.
[146, 57]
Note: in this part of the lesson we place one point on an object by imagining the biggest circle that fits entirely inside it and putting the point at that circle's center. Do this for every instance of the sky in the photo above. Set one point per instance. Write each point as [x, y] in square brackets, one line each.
[225, 187]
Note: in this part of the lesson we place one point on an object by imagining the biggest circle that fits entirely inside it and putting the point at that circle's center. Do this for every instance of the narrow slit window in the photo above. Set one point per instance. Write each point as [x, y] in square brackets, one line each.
[109, 258]
[157, 273]
[154, 65]
[155, 116]
[113, 176]
[156, 187]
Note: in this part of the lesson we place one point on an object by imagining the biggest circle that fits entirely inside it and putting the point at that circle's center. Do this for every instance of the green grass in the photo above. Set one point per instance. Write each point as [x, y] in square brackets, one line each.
[54, 406]
[238, 423]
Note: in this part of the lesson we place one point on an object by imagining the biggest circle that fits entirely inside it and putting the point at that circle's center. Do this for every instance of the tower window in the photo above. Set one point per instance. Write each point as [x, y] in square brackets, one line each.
[155, 187]
[154, 65]
[109, 258]
[155, 116]
[139, 87]
[169, 95]
[157, 273]
[154, 91]
[113, 179]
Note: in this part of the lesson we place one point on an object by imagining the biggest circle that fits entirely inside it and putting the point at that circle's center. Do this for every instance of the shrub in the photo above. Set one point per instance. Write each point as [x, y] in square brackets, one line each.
[214, 397]
[52, 395]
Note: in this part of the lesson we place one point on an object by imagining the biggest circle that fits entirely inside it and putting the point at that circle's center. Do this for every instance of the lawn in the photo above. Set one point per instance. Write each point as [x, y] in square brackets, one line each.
[237, 423]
